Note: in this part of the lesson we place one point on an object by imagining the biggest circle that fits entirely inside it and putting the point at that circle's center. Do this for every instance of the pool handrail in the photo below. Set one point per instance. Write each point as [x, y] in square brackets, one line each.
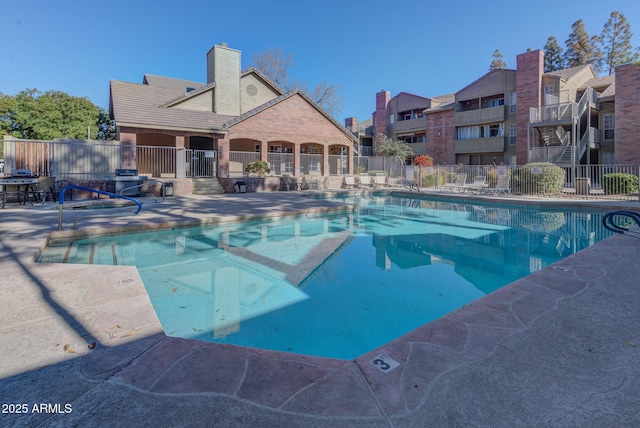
[608, 223]
[146, 183]
[89, 189]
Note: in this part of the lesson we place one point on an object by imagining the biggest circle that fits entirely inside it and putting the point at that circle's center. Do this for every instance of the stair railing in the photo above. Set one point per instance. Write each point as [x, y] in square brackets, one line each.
[88, 189]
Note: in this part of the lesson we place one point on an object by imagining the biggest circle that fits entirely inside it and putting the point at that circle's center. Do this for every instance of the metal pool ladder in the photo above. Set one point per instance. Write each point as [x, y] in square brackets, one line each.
[99, 192]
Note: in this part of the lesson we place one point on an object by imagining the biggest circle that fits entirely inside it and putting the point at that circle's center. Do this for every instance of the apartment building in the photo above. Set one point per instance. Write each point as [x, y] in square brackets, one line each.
[568, 117]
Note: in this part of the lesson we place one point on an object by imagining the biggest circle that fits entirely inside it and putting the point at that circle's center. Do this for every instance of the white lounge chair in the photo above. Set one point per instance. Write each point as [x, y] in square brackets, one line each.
[458, 185]
[479, 182]
[380, 179]
[364, 180]
[349, 182]
[502, 186]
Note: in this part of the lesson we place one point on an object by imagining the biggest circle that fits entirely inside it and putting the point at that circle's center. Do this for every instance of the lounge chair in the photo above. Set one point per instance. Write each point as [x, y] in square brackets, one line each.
[349, 182]
[502, 186]
[458, 185]
[380, 179]
[364, 180]
[479, 182]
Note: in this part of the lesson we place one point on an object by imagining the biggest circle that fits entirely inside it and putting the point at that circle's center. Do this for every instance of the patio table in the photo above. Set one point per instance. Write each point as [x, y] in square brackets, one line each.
[17, 183]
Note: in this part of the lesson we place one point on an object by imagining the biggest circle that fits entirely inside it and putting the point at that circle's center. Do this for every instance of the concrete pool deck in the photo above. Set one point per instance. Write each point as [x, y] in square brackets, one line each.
[560, 347]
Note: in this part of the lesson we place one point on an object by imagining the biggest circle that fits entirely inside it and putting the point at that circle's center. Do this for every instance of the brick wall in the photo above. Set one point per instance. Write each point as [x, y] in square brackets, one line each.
[627, 111]
[293, 120]
[441, 136]
[530, 66]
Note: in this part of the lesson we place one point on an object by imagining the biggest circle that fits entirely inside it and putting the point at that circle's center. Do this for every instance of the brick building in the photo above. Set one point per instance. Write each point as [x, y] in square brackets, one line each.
[568, 117]
[233, 119]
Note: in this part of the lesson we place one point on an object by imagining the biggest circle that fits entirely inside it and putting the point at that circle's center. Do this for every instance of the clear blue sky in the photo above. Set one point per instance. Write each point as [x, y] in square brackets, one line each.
[422, 47]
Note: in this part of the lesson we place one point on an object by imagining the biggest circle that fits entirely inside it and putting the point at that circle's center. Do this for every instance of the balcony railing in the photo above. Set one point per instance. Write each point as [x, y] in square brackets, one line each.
[419, 124]
[485, 115]
[480, 145]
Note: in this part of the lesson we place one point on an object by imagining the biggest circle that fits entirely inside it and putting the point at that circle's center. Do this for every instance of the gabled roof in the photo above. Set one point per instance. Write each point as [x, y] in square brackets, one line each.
[486, 76]
[441, 102]
[141, 105]
[568, 73]
[190, 94]
[262, 77]
[169, 82]
[281, 98]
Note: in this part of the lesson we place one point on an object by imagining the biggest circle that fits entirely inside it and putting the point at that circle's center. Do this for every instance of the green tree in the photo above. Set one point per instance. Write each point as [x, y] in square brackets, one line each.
[44, 116]
[275, 64]
[582, 49]
[616, 42]
[553, 59]
[386, 146]
[497, 63]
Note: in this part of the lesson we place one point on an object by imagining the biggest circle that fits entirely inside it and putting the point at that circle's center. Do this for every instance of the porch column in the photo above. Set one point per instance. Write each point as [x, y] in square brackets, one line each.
[296, 158]
[264, 149]
[350, 166]
[223, 156]
[325, 159]
[181, 158]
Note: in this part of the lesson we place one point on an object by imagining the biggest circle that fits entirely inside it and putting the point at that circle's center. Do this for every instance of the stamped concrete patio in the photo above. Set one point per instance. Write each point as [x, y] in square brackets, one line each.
[557, 348]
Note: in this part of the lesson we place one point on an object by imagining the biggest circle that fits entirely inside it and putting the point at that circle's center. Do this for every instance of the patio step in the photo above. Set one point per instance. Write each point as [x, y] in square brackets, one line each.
[207, 186]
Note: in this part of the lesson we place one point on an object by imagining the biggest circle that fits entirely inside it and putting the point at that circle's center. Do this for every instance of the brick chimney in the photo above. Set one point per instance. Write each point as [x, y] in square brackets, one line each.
[529, 70]
[627, 114]
[381, 116]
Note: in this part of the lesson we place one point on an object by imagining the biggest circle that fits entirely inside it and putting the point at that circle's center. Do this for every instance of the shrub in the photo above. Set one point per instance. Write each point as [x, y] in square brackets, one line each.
[549, 180]
[423, 160]
[258, 167]
[617, 183]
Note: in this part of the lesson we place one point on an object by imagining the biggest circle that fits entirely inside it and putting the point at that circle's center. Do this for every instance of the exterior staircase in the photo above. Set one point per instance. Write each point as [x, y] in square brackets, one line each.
[207, 186]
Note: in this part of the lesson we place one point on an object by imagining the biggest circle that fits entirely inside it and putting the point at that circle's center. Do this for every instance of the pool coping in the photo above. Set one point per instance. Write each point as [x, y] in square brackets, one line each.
[291, 384]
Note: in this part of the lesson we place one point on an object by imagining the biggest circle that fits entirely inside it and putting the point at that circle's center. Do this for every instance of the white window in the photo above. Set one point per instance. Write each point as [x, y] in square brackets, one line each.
[512, 133]
[314, 166]
[512, 102]
[496, 103]
[609, 126]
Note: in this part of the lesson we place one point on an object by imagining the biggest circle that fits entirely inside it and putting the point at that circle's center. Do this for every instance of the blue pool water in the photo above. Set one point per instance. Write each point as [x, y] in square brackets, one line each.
[342, 284]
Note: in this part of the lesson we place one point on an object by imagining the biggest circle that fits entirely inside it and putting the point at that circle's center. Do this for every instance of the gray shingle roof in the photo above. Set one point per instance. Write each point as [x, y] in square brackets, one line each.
[139, 105]
[568, 73]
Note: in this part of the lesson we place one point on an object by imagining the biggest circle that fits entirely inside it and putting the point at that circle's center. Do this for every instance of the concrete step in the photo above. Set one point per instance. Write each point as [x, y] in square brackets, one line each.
[207, 186]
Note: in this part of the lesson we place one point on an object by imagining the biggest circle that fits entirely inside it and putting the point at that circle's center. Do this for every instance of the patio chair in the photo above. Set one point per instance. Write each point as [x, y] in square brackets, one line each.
[479, 182]
[502, 186]
[364, 180]
[349, 182]
[39, 191]
[289, 183]
[458, 184]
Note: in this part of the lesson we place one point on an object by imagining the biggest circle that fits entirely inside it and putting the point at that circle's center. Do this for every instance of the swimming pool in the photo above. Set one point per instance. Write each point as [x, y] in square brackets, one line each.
[337, 285]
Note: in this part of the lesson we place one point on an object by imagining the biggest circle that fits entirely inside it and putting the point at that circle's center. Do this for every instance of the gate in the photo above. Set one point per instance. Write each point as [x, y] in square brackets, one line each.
[201, 163]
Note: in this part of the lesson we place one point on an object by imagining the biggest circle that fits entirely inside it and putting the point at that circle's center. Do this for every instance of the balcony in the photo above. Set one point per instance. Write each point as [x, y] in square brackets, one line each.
[419, 124]
[484, 115]
[479, 145]
[419, 148]
[553, 114]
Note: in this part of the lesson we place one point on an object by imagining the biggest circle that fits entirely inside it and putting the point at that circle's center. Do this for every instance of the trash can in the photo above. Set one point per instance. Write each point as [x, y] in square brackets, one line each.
[240, 186]
[168, 189]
